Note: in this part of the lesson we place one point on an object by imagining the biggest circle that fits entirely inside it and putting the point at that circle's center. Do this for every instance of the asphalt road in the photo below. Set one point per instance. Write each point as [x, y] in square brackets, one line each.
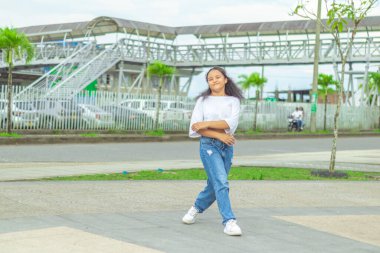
[120, 152]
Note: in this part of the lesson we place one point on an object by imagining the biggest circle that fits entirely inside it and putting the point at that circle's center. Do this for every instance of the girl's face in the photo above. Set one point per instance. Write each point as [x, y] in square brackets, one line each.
[216, 81]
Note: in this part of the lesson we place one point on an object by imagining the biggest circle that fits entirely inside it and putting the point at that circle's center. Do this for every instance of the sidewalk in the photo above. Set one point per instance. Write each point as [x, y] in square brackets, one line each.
[145, 216]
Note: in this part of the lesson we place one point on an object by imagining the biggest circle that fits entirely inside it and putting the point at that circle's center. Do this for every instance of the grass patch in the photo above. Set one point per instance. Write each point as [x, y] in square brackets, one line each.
[310, 132]
[89, 135]
[377, 130]
[11, 135]
[259, 131]
[252, 132]
[158, 133]
[236, 173]
[317, 132]
[116, 131]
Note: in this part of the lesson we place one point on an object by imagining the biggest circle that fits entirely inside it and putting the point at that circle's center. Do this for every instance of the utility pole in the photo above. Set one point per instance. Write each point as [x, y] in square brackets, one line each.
[314, 91]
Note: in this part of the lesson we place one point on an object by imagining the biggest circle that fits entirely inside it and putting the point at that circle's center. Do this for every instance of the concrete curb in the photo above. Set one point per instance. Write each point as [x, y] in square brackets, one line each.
[123, 138]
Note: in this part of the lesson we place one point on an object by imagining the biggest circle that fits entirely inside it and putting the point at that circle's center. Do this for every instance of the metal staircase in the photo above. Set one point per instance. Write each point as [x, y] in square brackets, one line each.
[39, 88]
[86, 73]
[72, 75]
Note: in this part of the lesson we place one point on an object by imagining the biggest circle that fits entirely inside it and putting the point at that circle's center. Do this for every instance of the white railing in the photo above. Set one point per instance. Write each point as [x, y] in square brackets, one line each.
[273, 115]
[244, 53]
[100, 110]
[76, 72]
[48, 53]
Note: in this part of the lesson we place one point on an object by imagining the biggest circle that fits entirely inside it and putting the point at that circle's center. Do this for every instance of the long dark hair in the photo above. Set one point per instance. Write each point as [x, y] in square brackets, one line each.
[231, 89]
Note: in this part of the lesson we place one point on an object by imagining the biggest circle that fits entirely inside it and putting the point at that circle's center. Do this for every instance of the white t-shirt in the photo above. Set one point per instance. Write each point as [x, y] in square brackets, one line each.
[297, 115]
[215, 108]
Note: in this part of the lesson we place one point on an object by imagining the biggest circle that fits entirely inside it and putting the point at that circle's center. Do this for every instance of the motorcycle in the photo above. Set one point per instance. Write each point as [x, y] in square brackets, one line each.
[292, 124]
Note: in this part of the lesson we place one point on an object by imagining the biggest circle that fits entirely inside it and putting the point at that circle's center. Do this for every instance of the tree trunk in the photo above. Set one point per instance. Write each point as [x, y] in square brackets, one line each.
[336, 118]
[324, 118]
[10, 102]
[256, 109]
[158, 104]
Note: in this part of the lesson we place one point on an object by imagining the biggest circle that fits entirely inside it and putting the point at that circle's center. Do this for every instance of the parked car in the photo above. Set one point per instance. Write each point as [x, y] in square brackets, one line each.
[149, 107]
[129, 118]
[95, 116]
[178, 107]
[58, 114]
[24, 115]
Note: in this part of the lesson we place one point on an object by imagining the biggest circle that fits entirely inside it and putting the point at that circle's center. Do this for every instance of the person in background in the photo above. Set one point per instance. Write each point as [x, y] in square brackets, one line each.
[301, 118]
[297, 115]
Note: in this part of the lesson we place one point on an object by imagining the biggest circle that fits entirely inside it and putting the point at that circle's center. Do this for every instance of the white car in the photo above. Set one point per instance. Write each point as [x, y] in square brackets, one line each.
[178, 107]
[24, 115]
[57, 113]
[96, 117]
[149, 107]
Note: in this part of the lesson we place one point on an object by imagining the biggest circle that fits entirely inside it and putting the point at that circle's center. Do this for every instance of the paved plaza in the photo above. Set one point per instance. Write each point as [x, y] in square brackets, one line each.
[145, 216]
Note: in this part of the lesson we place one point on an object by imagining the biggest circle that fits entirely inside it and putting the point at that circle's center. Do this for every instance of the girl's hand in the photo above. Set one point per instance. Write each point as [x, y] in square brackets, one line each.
[198, 126]
[227, 139]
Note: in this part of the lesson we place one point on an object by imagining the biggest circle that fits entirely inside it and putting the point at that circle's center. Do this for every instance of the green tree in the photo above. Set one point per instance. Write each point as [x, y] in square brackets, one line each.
[325, 83]
[342, 16]
[372, 88]
[256, 81]
[374, 85]
[160, 70]
[13, 45]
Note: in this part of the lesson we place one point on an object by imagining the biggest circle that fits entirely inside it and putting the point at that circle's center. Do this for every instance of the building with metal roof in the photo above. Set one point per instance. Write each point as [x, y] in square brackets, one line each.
[105, 25]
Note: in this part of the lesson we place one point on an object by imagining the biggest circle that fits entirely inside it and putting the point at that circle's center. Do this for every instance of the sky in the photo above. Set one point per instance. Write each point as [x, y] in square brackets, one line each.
[20, 13]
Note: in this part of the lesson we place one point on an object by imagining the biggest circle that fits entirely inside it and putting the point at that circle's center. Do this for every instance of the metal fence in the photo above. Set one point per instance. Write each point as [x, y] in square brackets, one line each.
[102, 110]
[274, 116]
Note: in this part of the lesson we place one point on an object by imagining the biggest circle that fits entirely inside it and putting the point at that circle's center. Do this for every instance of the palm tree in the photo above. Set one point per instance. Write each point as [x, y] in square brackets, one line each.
[256, 81]
[160, 70]
[374, 84]
[13, 44]
[324, 88]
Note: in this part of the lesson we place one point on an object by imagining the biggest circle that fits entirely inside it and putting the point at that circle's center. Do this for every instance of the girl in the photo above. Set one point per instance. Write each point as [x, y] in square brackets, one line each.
[215, 119]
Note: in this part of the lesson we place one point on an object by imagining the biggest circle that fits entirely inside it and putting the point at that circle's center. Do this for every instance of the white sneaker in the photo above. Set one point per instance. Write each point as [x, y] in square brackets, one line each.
[231, 228]
[189, 218]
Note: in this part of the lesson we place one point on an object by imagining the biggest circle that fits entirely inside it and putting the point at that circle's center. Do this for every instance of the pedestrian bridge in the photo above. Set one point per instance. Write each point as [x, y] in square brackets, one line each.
[271, 52]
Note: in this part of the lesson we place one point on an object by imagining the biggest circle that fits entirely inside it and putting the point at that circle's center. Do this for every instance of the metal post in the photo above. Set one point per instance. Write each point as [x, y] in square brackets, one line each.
[351, 85]
[366, 70]
[314, 91]
[121, 74]
[189, 81]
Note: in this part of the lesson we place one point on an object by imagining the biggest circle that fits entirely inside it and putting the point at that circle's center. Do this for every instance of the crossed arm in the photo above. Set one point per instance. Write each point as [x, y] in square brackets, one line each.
[214, 129]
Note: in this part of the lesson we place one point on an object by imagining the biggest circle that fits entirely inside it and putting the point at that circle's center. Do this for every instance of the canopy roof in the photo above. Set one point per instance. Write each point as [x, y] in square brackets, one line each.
[105, 25]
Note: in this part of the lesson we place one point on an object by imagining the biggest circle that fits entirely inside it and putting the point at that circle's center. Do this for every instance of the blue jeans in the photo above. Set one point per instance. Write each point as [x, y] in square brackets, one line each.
[217, 159]
[299, 124]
